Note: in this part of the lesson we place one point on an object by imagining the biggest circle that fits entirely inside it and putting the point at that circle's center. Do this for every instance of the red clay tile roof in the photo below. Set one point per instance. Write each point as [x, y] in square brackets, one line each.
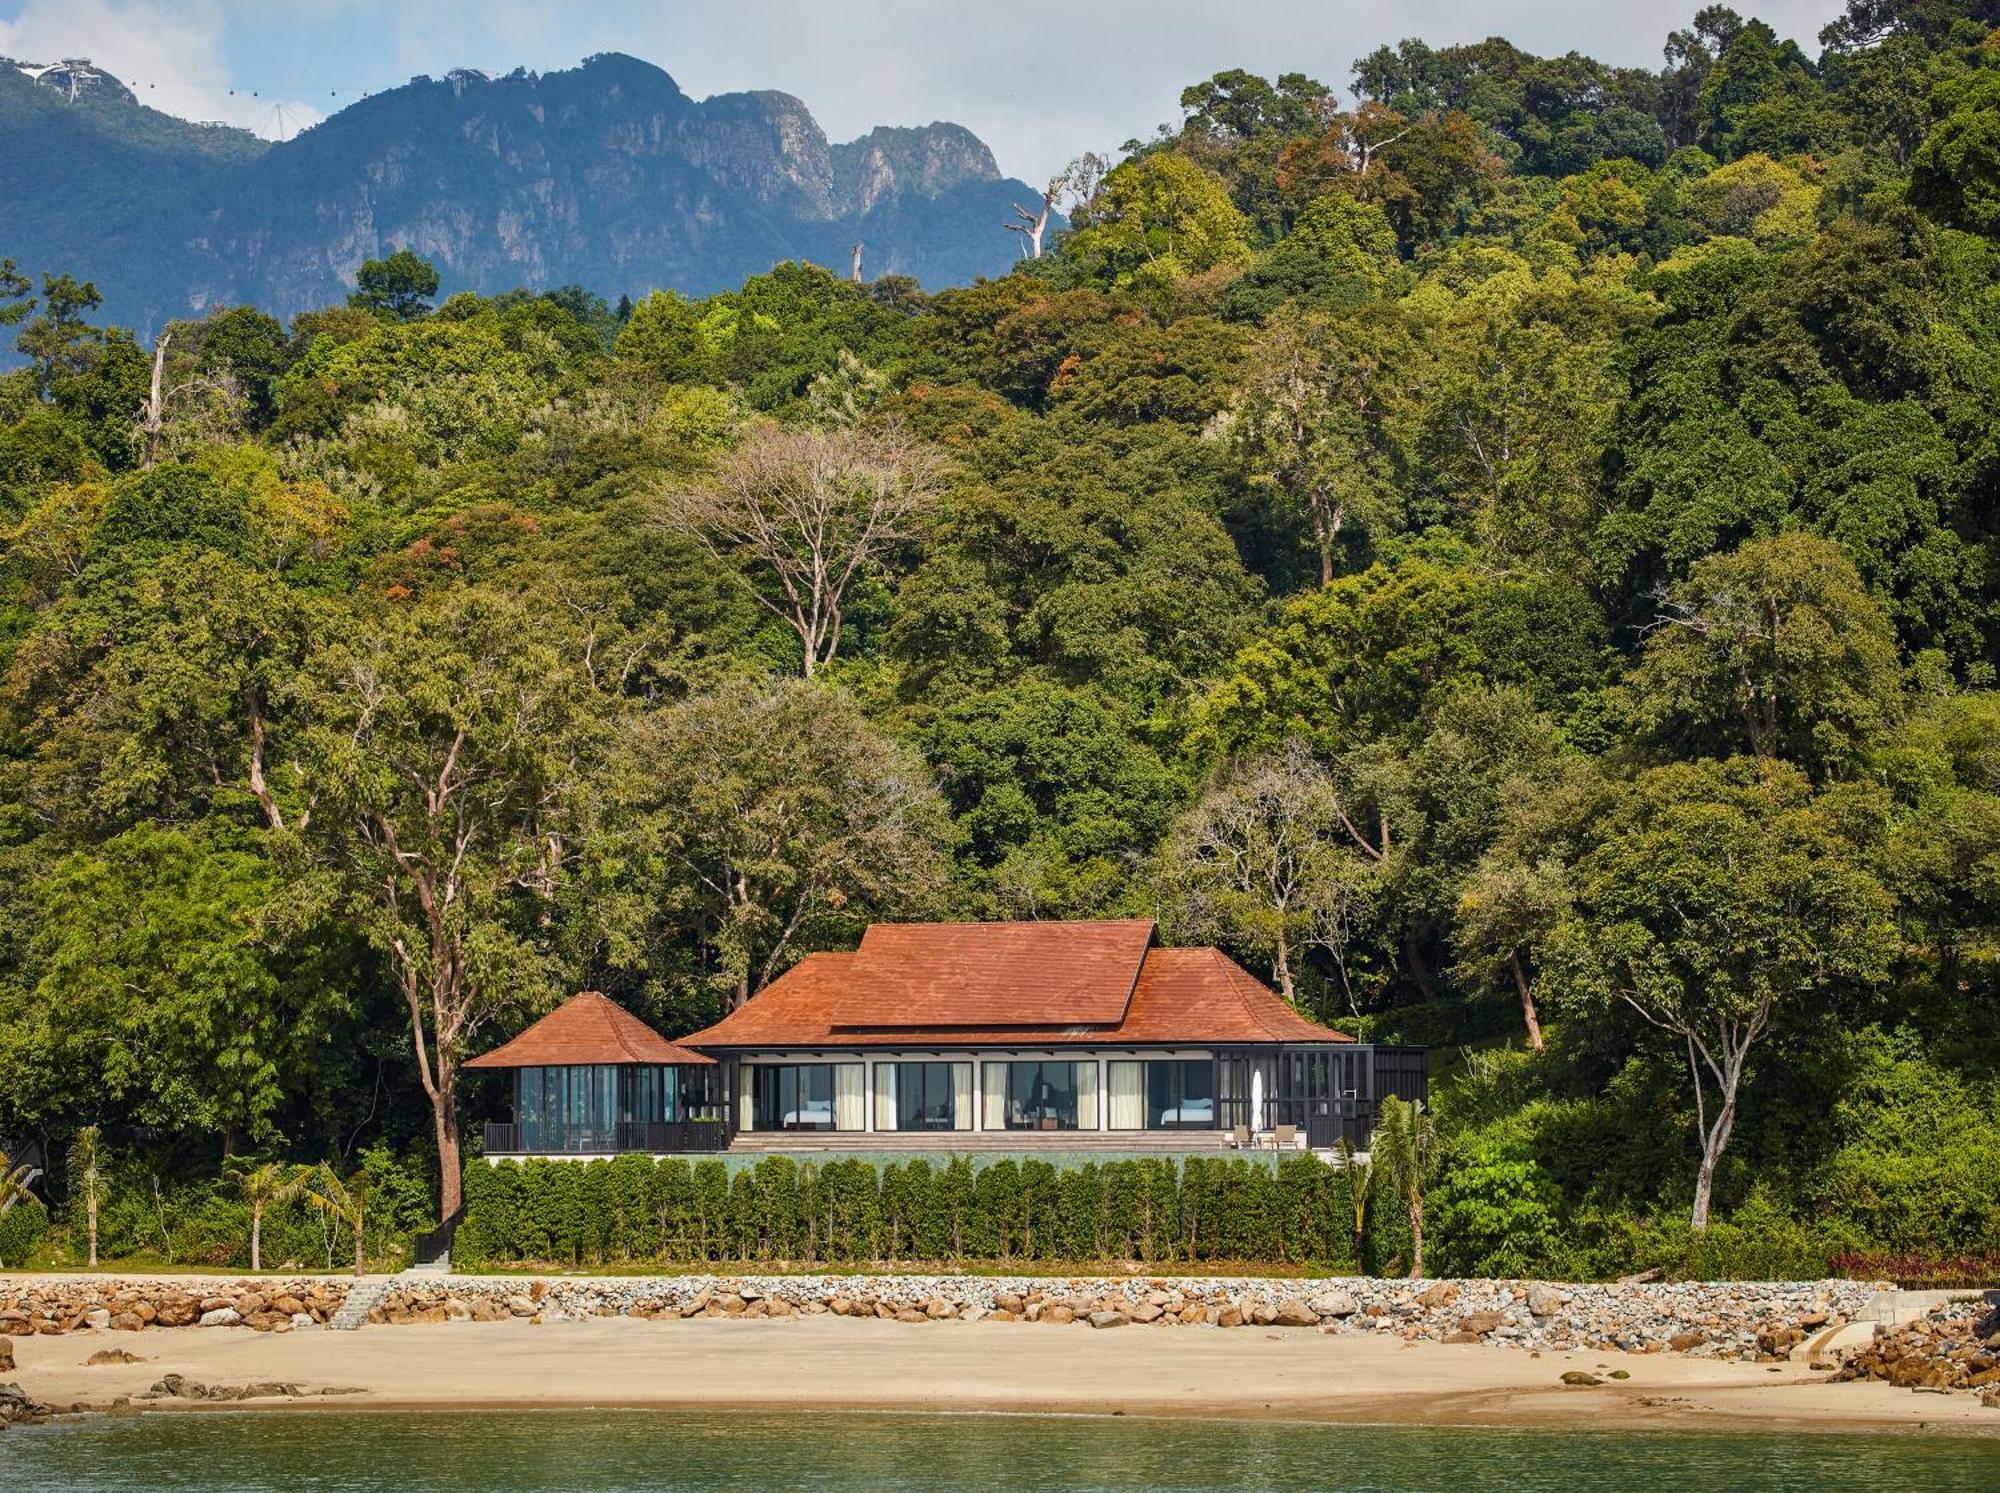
[997, 974]
[1182, 997]
[587, 1028]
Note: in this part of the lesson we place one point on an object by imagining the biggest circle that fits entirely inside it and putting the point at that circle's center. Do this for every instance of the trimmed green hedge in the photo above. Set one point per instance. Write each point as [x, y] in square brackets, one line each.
[678, 1212]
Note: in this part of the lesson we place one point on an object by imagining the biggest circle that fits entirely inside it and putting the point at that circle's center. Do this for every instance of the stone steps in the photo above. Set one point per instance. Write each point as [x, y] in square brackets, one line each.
[362, 1299]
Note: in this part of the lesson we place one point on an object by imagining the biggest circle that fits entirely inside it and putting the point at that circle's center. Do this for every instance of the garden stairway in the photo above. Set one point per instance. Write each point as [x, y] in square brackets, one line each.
[362, 1298]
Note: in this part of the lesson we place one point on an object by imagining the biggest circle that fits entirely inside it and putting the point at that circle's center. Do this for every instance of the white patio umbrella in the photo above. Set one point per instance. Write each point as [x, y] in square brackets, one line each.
[1257, 1099]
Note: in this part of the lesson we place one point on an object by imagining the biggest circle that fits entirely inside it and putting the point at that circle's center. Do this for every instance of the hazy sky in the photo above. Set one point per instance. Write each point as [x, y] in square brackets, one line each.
[1039, 80]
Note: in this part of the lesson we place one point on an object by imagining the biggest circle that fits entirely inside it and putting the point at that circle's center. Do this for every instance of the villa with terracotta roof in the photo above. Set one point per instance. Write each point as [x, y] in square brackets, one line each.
[1030, 1036]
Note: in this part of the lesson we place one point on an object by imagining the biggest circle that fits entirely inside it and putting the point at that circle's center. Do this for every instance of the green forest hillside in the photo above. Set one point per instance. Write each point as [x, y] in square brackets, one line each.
[1506, 548]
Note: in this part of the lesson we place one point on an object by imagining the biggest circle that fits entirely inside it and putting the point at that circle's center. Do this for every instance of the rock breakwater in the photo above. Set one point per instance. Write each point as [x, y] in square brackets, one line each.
[52, 1304]
[1747, 1320]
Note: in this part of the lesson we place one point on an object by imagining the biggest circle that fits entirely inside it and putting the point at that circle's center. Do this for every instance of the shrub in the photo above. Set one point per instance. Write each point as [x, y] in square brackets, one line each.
[1496, 1213]
[24, 1231]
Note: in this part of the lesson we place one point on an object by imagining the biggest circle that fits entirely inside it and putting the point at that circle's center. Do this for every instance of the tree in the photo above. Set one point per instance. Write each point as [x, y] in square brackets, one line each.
[1775, 647]
[162, 395]
[1717, 899]
[84, 1171]
[1258, 863]
[1358, 1168]
[1079, 176]
[1161, 214]
[450, 739]
[339, 1201]
[778, 819]
[1405, 1150]
[812, 510]
[1312, 424]
[1955, 175]
[1521, 887]
[58, 341]
[261, 1184]
[398, 288]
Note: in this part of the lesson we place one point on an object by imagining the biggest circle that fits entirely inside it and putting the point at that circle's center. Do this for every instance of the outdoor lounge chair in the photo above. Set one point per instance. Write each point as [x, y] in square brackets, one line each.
[1240, 1138]
[1286, 1138]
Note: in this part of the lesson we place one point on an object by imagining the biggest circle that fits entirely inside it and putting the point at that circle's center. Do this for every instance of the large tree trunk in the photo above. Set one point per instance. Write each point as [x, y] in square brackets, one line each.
[1527, 1002]
[357, 1241]
[1416, 1238]
[444, 1114]
[1713, 1144]
[90, 1213]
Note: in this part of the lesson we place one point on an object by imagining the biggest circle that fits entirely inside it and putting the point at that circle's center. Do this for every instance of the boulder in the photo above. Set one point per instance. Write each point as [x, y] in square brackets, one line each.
[222, 1316]
[1292, 1312]
[1148, 1311]
[1108, 1319]
[97, 1319]
[1335, 1304]
[1229, 1316]
[177, 1311]
[1444, 1293]
[1480, 1323]
[1461, 1336]
[1010, 1301]
[911, 1314]
[1580, 1379]
[1059, 1313]
[128, 1322]
[103, 1355]
[1544, 1301]
[7, 1355]
[1680, 1342]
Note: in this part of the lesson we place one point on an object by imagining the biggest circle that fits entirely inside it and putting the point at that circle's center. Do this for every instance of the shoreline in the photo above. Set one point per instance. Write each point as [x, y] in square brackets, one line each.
[853, 1366]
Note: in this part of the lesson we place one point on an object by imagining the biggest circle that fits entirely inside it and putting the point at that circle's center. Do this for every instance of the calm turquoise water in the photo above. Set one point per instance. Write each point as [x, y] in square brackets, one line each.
[613, 1452]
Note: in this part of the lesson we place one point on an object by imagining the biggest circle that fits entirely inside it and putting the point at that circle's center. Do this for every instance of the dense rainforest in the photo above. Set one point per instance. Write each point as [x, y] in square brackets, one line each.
[1509, 553]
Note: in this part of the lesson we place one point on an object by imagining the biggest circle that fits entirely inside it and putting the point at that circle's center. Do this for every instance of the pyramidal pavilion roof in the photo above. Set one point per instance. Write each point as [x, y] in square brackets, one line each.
[587, 1028]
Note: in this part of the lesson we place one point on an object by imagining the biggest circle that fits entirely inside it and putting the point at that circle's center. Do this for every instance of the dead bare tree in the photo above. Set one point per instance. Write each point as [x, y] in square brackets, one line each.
[153, 412]
[1079, 176]
[812, 508]
[854, 271]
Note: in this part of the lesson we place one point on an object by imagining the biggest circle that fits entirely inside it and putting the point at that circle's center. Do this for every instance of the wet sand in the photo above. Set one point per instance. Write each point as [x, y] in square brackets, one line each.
[833, 1363]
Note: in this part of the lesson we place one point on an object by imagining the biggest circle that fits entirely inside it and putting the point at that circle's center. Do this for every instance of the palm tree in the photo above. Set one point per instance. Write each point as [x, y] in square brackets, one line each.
[14, 1182]
[260, 1186]
[1405, 1149]
[323, 1191]
[1359, 1169]
[86, 1179]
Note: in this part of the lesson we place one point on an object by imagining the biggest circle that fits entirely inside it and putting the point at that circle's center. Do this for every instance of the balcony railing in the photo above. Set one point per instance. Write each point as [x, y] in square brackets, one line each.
[627, 1137]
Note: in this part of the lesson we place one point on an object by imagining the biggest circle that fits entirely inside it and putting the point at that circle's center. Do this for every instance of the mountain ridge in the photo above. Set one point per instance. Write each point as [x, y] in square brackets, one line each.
[607, 175]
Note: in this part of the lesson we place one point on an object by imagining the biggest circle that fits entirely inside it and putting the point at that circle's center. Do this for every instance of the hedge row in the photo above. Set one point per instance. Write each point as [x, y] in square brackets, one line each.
[636, 1210]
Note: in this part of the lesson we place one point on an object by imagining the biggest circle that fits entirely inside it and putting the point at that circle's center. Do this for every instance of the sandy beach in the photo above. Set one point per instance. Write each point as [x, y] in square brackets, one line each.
[828, 1363]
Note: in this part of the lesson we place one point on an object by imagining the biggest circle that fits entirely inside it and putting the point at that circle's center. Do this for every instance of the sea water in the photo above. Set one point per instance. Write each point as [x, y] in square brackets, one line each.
[622, 1451]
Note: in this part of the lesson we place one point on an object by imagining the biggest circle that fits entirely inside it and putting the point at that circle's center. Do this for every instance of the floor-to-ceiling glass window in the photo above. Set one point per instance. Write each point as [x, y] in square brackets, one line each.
[806, 1096]
[1037, 1095]
[926, 1095]
[1180, 1094]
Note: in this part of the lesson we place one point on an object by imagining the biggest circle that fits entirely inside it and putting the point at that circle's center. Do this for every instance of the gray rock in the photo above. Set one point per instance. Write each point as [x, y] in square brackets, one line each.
[1108, 1319]
[1335, 1304]
[222, 1316]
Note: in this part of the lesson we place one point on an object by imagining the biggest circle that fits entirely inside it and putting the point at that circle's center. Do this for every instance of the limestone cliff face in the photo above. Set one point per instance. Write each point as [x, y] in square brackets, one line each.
[928, 161]
[606, 175]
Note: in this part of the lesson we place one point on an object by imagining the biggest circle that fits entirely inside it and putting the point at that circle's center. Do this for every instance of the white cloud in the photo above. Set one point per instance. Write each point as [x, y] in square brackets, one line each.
[169, 54]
